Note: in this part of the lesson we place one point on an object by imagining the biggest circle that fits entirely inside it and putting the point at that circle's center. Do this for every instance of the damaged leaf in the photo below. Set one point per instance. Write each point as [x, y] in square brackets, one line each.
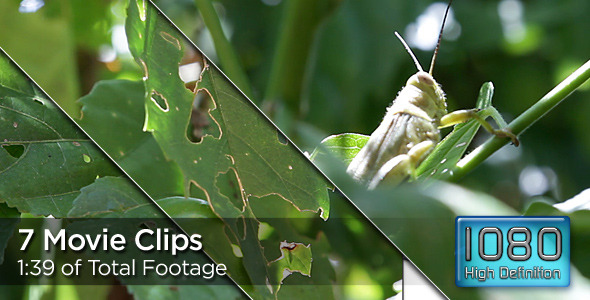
[245, 160]
[295, 257]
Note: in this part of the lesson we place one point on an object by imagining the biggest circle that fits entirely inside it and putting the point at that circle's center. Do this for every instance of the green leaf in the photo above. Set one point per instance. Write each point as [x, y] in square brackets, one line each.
[12, 78]
[113, 197]
[344, 146]
[9, 219]
[182, 292]
[8, 212]
[118, 197]
[257, 150]
[295, 257]
[440, 163]
[113, 114]
[44, 158]
[577, 210]
[319, 284]
[283, 222]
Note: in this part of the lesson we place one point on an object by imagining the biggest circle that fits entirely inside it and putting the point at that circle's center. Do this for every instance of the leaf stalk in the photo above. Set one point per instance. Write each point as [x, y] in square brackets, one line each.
[226, 52]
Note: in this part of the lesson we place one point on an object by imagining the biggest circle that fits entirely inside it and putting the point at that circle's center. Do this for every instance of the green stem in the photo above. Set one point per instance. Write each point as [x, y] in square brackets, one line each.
[300, 22]
[225, 51]
[524, 121]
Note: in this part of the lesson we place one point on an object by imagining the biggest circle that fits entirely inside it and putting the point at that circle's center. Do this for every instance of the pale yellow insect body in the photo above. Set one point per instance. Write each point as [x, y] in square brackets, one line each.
[408, 133]
[410, 129]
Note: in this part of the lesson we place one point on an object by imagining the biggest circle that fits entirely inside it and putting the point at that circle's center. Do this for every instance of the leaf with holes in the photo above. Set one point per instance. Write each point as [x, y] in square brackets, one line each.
[44, 158]
[295, 257]
[247, 157]
[248, 141]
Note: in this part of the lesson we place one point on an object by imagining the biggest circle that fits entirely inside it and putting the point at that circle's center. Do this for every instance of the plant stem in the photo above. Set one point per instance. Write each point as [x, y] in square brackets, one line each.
[524, 121]
[225, 51]
[300, 22]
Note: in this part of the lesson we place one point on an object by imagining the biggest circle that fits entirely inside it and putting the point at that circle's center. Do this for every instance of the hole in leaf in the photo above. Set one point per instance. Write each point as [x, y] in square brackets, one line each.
[160, 100]
[190, 67]
[237, 250]
[201, 122]
[282, 139]
[265, 231]
[15, 151]
[190, 73]
[86, 158]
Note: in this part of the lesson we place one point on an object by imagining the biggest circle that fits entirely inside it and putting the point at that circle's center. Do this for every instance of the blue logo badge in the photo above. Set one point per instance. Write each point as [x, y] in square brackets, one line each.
[512, 251]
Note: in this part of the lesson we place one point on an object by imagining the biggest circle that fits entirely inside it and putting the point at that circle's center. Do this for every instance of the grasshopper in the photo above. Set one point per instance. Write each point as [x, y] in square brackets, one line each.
[410, 129]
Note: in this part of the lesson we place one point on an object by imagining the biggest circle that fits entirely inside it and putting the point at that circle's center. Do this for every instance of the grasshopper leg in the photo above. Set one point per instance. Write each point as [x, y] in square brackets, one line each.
[464, 115]
[401, 166]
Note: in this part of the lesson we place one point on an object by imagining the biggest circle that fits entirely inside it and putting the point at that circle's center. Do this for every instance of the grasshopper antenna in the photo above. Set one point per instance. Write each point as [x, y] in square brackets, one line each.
[442, 27]
[410, 51]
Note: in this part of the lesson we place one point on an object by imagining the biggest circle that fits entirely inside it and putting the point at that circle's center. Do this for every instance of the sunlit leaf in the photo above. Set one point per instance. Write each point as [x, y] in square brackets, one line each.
[344, 146]
[295, 257]
[440, 163]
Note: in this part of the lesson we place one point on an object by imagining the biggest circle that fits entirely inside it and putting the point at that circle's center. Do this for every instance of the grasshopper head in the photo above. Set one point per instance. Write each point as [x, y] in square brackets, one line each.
[422, 80]
[433, 98]
[429, 96]
[426, 83]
